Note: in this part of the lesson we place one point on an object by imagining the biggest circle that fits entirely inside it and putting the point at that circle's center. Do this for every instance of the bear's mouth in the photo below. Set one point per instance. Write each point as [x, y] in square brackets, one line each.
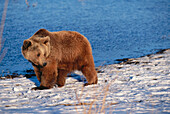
[38, 66]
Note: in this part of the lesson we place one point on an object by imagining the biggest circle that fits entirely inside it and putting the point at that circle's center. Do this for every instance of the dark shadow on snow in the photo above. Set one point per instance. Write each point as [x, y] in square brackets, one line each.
[32, 77]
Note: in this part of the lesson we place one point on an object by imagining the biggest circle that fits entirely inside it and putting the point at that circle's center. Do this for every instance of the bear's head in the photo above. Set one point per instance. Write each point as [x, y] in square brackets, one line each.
[36, 49]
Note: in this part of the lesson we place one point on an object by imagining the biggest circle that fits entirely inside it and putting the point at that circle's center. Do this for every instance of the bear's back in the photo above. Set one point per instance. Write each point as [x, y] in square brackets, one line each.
[73, 45]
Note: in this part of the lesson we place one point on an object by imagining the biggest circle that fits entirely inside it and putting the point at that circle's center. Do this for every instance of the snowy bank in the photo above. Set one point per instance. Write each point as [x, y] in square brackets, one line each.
[140, 85]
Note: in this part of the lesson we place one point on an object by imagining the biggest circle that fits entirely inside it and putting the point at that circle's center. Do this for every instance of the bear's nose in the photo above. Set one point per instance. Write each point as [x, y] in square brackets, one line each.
[44, 64]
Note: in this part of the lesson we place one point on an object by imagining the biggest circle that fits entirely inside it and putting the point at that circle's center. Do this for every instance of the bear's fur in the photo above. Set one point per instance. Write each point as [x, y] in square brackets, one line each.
[55, 54]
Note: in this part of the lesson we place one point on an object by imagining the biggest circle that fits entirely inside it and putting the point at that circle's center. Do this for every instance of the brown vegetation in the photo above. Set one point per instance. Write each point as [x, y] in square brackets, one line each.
[1, 30]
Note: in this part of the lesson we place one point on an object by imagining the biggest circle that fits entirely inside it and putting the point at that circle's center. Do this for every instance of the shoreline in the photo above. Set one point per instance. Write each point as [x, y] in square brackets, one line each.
[127, 60]
[30, 72]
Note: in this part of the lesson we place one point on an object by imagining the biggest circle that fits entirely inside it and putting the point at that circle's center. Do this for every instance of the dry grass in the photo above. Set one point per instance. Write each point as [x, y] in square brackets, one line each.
[93, 107]
[2, 29]
[27, 3]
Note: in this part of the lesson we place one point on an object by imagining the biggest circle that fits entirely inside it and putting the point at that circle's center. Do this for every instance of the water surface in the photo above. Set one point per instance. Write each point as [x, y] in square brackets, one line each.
[115, 28]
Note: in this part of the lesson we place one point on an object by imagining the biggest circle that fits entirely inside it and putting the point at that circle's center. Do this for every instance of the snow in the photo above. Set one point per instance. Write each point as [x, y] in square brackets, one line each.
[140, 86]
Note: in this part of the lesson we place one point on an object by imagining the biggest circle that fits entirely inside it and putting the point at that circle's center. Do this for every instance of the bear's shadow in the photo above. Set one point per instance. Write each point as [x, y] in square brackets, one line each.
[79, 78]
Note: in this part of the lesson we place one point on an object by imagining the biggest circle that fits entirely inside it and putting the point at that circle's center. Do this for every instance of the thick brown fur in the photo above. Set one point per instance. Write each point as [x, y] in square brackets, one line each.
[55, 54]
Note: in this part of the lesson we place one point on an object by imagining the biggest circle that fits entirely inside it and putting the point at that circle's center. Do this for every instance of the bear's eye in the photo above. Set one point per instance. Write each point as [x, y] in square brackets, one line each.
[38, 54]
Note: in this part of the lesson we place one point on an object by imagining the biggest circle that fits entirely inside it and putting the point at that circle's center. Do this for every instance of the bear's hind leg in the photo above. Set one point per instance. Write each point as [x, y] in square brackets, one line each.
[90, 74]
[62, 74]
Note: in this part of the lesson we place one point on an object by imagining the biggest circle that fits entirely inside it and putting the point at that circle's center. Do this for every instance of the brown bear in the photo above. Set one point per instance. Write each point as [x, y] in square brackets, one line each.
[55, 54]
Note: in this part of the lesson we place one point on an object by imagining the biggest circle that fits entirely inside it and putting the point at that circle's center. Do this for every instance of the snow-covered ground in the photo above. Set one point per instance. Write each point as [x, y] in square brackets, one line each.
[140, 85]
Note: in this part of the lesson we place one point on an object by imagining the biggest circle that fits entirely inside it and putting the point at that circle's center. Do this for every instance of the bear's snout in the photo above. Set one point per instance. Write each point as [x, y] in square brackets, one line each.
[44, 64]
[38, 65]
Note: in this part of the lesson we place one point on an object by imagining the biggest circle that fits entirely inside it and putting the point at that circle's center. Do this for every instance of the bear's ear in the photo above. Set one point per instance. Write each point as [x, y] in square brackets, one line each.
[26, 44]
[45, 40]
[42, 33]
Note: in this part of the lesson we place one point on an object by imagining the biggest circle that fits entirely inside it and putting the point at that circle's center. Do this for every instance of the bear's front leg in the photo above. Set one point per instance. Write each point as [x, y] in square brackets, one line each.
[48, 77]
[37, 73]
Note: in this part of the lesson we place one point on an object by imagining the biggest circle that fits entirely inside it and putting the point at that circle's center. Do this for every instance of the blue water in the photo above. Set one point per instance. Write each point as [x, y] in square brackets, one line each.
[115, 28]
